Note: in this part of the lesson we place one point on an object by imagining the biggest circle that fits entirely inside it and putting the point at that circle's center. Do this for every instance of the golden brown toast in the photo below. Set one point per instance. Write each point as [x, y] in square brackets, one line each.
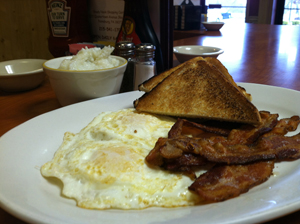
[224, 71]
[199, 90]
[149, 84]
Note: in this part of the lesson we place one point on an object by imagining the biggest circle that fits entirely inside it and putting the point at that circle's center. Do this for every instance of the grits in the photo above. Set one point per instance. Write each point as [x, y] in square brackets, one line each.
[90, 59]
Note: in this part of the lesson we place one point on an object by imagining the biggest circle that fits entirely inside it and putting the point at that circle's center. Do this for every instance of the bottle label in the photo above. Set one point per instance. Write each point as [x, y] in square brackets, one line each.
[127, 32]
[106, 18]
[59, 17]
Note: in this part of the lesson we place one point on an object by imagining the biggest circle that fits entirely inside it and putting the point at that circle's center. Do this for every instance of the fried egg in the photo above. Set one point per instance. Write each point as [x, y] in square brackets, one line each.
[103, 166]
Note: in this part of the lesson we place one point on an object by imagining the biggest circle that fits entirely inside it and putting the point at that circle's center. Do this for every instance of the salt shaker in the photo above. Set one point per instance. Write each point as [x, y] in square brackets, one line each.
[125, 49]
[144, 63]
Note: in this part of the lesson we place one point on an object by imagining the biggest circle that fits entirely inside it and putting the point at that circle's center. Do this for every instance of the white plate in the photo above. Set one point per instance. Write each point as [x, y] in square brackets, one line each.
[27, 195]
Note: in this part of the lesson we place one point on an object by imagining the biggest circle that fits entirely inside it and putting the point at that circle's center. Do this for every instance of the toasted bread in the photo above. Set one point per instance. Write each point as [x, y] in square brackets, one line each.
[149, 84]
[199, 90]
[224, 71]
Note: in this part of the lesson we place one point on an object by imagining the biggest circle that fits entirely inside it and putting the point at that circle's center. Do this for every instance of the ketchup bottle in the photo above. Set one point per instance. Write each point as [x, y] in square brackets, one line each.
[68, 23]
[137, 28]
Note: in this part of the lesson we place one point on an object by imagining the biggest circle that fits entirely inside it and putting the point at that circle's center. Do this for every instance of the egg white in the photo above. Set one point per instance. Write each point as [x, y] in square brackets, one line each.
[103, 166]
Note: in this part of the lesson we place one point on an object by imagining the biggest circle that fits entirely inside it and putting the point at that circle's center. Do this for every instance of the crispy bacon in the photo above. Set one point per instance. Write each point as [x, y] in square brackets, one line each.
[185, 127]
[187, 163]
[244, 156]
[246, 133]
[267, 148]
[249, 134]
[228, 181]
[285, 125]
[171, 148]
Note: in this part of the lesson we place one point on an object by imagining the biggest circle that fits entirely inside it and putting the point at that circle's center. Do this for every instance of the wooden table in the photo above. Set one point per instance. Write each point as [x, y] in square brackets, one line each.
[256, 53]
[264, 54]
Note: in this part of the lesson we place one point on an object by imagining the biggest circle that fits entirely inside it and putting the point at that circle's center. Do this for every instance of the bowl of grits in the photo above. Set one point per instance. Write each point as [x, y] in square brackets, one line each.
[90, 74]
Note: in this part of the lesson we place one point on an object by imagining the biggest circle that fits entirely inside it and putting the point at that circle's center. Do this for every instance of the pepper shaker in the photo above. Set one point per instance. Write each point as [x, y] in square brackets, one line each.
[125, 49]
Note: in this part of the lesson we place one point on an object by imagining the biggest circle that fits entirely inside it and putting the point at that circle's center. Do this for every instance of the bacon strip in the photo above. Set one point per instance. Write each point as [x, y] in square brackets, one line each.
[249, 152]
[248, 135]
[184, 127]
[224, 182]
[267, 148]
[285, 125]
[187, 163]
[234, 150]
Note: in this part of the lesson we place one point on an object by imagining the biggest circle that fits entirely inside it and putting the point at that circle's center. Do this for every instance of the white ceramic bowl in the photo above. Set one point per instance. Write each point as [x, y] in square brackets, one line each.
[213, 26]
[184, 53]
[21, 74]
[76, 86]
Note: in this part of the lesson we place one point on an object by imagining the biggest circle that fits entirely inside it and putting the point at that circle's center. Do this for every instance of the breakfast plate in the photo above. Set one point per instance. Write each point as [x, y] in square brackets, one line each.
[26, 194]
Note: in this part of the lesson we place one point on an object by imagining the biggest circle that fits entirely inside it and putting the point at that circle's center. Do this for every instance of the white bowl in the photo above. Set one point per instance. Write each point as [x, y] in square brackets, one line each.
[185, 53]
[213, 26]
[21, 74]
[76, 86]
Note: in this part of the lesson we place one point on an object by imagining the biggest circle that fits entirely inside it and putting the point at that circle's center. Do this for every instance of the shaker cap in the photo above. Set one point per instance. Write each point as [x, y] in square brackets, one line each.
[125, 45]
[125, 48]
[145, 49]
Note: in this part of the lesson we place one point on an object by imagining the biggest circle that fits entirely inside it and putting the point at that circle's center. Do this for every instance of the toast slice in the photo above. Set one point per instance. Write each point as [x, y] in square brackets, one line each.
[199, 90]
[149, 84]
[215, 62]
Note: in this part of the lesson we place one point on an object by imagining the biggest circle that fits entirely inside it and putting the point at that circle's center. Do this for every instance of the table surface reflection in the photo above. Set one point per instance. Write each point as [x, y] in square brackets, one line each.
[256, 53]
[264, 54]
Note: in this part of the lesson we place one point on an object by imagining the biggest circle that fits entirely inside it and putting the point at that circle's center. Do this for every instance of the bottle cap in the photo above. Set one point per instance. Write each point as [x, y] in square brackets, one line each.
[145, 49]
[125, 48]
